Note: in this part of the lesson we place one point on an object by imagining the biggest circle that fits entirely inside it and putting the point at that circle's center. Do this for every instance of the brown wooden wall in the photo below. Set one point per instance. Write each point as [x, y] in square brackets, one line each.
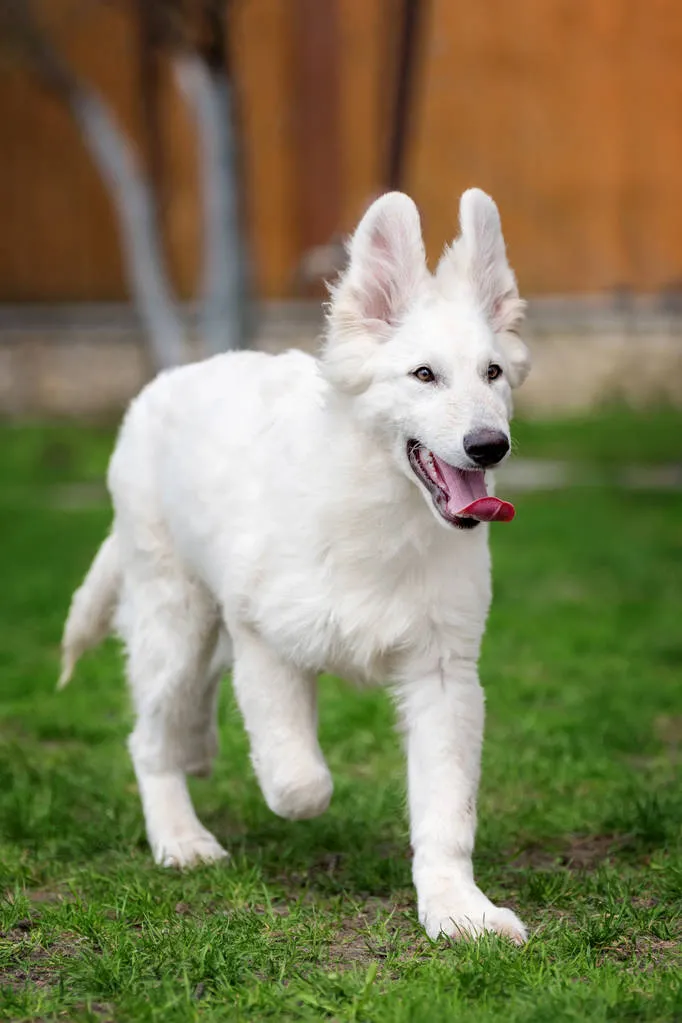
[568, 111]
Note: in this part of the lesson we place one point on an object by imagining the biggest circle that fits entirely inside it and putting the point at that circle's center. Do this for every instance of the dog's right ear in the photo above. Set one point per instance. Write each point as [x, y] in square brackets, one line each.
[479, 259]
[386, 268]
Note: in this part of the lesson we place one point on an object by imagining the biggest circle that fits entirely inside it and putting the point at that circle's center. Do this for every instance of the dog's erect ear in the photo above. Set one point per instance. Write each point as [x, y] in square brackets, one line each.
[479, 257]
[386, 264]
[386, 269]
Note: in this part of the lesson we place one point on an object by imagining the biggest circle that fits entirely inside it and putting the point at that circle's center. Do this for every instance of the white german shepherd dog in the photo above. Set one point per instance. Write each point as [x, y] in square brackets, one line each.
[291, 515]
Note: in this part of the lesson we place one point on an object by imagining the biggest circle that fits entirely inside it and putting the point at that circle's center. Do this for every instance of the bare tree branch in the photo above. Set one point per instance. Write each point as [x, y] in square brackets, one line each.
[138, 226]
[196, 30]
[119, 167]
[224, 316]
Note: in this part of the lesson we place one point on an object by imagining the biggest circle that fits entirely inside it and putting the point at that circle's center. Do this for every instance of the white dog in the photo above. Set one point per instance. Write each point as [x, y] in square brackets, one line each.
[300, 515]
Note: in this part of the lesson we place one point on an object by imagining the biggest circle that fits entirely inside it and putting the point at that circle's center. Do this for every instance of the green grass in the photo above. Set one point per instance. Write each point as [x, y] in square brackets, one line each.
[619, 435]
[580, 810]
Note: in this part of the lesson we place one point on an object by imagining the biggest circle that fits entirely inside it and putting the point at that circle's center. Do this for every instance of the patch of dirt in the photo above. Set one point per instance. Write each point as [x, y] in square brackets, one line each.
[33, 972]
[354, 943]
[35, 965]
[46, 895]
[276, 908]
[103, 1010]
[350, 947]
[38, 896]
[644, 902]
[328, 864]
[19, 931]
[331, 864]
[647, 953]
[668, 728]
[578, 852]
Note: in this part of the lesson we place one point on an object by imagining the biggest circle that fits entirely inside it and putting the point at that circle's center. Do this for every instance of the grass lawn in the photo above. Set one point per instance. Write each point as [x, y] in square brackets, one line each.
[580, 810]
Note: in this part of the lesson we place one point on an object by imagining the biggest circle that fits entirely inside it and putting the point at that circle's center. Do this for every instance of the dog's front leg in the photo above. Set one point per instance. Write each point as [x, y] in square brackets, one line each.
[443, 714]
[279, 704]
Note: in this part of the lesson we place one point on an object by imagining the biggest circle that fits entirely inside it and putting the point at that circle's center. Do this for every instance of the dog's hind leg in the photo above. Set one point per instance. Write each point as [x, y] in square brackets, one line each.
[205, 712]
[279, 705]
[170, 629]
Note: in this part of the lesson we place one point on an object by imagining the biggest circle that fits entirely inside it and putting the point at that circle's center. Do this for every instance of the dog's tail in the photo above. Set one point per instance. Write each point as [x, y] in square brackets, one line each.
[92, 608]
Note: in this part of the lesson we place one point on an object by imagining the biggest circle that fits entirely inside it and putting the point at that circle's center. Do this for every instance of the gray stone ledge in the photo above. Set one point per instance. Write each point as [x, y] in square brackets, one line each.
[89, 360]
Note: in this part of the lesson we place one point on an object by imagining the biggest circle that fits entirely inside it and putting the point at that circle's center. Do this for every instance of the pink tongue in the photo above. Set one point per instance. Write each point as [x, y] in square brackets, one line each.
[488, 509]
[468, 496]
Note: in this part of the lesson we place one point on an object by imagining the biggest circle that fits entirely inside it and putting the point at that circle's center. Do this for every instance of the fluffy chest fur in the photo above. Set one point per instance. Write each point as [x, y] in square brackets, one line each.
[363, 610]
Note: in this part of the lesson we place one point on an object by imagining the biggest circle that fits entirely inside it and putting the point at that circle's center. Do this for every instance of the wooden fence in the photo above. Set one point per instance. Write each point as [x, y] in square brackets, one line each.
[568, 111]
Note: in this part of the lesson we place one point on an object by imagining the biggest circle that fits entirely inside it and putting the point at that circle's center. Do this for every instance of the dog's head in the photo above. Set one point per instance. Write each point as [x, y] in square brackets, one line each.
[430, 360]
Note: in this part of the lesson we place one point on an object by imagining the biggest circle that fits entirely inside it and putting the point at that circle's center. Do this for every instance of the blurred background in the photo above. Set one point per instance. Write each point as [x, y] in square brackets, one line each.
[177, 177]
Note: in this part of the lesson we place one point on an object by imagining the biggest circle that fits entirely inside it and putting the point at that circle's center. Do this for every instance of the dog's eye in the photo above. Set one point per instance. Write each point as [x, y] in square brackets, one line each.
[426, 375]
[494, 371]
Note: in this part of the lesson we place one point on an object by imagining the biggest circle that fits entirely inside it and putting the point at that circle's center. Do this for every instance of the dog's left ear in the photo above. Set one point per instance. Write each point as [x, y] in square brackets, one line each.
[479, 256]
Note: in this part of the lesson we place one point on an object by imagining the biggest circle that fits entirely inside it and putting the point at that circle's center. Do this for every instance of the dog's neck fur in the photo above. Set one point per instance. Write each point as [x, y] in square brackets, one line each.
[389, 517]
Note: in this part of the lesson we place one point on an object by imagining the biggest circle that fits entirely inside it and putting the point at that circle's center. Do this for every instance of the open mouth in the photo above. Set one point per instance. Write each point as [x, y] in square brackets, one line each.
[460, 496]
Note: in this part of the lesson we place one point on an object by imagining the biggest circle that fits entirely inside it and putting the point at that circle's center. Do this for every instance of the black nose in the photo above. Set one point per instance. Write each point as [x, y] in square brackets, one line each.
[486, 447]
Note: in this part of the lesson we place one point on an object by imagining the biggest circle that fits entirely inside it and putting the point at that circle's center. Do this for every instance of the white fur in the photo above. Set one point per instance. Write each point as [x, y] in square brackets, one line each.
[265, 510]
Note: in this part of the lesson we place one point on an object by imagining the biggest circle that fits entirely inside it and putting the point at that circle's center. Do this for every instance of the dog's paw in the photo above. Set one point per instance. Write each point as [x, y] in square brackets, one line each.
[188, 850]
[467, 922]
[298, 795]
